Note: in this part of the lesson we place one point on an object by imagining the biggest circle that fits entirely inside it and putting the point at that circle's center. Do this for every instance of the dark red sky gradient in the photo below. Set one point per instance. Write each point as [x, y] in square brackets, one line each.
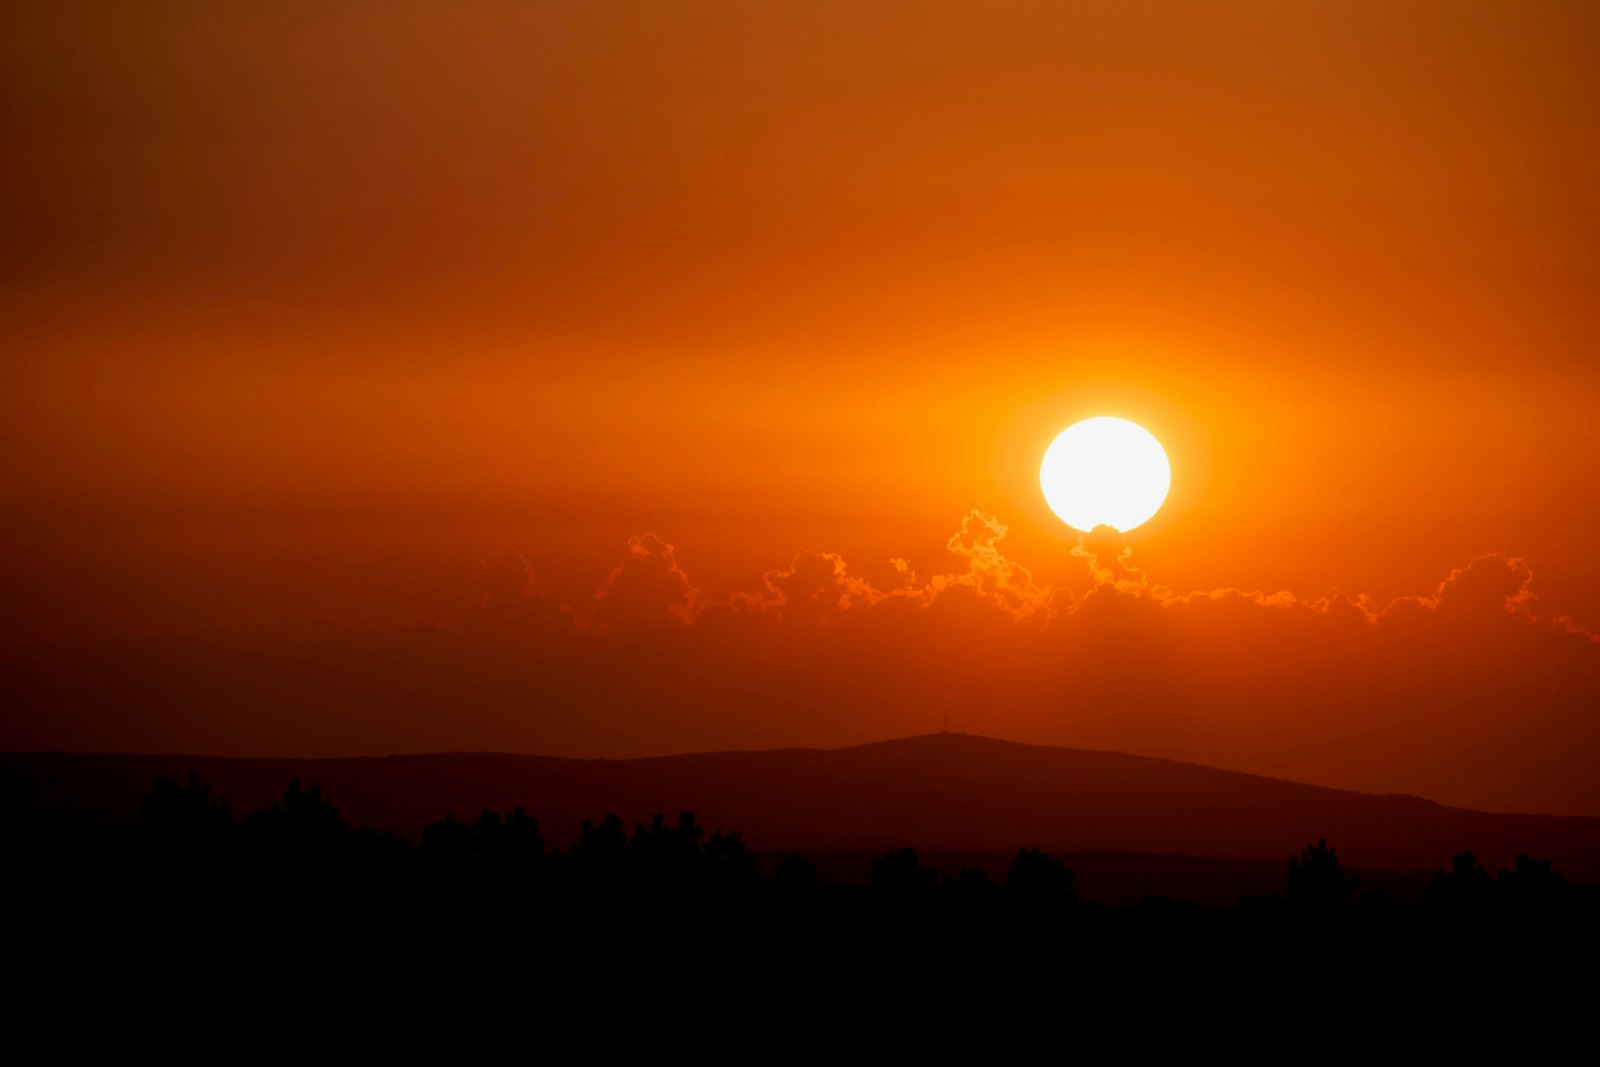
[309, 309]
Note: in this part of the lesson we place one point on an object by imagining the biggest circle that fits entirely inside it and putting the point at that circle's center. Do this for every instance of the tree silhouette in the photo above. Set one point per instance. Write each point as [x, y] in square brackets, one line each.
[1467, 888]
[795, 872]
[972, 888]
[668, 853]
[186, 816]
[303, 827]
[599, 856]
[1532, 887]
[502, 846]
[188, 842]
[897, 874]
[447, 843]
[728, 861]
[1036, 878]
[666, 894]
[512, 846]
[1316, 880]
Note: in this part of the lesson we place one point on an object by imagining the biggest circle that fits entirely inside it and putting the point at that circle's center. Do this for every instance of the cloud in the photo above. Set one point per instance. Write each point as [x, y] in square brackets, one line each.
[905, 576]
[1460, 693]
[990, 575]
[503, 575]
[507, 602]
[647, 590]
[815, 589]
[1489, 588]
[1565, 623]
[1107, 553]
[1488, 583]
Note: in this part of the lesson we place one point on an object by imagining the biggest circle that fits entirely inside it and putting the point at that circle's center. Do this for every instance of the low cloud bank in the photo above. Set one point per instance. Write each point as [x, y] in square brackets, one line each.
[1462, 693]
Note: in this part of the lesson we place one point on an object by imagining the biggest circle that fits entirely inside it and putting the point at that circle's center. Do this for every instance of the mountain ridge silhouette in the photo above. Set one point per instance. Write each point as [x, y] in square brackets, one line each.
[943, 791]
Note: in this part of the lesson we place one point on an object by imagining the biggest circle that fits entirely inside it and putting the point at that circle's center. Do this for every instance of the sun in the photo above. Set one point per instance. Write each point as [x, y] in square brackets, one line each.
[1105, 472]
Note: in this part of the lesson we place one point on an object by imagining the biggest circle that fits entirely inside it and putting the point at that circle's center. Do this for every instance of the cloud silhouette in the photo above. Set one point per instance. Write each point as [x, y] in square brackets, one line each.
[507, 603]
[647, 590]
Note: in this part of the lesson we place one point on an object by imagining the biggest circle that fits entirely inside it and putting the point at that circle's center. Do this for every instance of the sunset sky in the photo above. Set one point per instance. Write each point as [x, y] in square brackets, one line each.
[569, 378]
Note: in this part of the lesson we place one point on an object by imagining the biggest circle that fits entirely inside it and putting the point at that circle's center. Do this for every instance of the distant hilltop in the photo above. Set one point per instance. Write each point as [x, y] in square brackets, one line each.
[950, 792]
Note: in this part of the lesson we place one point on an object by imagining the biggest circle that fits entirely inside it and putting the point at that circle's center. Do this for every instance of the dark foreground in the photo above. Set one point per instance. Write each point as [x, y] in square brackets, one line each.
[193, 910]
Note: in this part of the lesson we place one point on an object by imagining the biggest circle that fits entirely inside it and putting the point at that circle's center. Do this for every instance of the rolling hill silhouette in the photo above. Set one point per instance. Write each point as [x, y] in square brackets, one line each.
[949, 793]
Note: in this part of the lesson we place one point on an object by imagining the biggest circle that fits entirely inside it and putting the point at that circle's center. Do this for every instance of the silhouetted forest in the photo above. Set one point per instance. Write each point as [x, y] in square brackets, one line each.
[190, 876]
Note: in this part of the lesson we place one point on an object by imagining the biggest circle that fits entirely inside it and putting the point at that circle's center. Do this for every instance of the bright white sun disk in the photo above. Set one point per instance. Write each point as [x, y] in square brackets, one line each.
[1105, 471]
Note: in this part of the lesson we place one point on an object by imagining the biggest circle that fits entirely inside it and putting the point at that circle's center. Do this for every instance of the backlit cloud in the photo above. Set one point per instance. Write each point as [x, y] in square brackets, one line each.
[1460, 693]
[990, 574]
[646, 591]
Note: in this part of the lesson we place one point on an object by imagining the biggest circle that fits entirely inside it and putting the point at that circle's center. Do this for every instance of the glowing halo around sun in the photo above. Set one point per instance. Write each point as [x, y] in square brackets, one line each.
[1105, 472]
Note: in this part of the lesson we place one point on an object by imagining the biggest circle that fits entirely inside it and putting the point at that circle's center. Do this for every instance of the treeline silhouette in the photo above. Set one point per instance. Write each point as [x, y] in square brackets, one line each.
[182, 827]
[665, 901]
[183, 833]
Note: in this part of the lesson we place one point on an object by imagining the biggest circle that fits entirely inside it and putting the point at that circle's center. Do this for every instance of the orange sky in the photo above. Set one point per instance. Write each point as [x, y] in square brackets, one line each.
[308, 309]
